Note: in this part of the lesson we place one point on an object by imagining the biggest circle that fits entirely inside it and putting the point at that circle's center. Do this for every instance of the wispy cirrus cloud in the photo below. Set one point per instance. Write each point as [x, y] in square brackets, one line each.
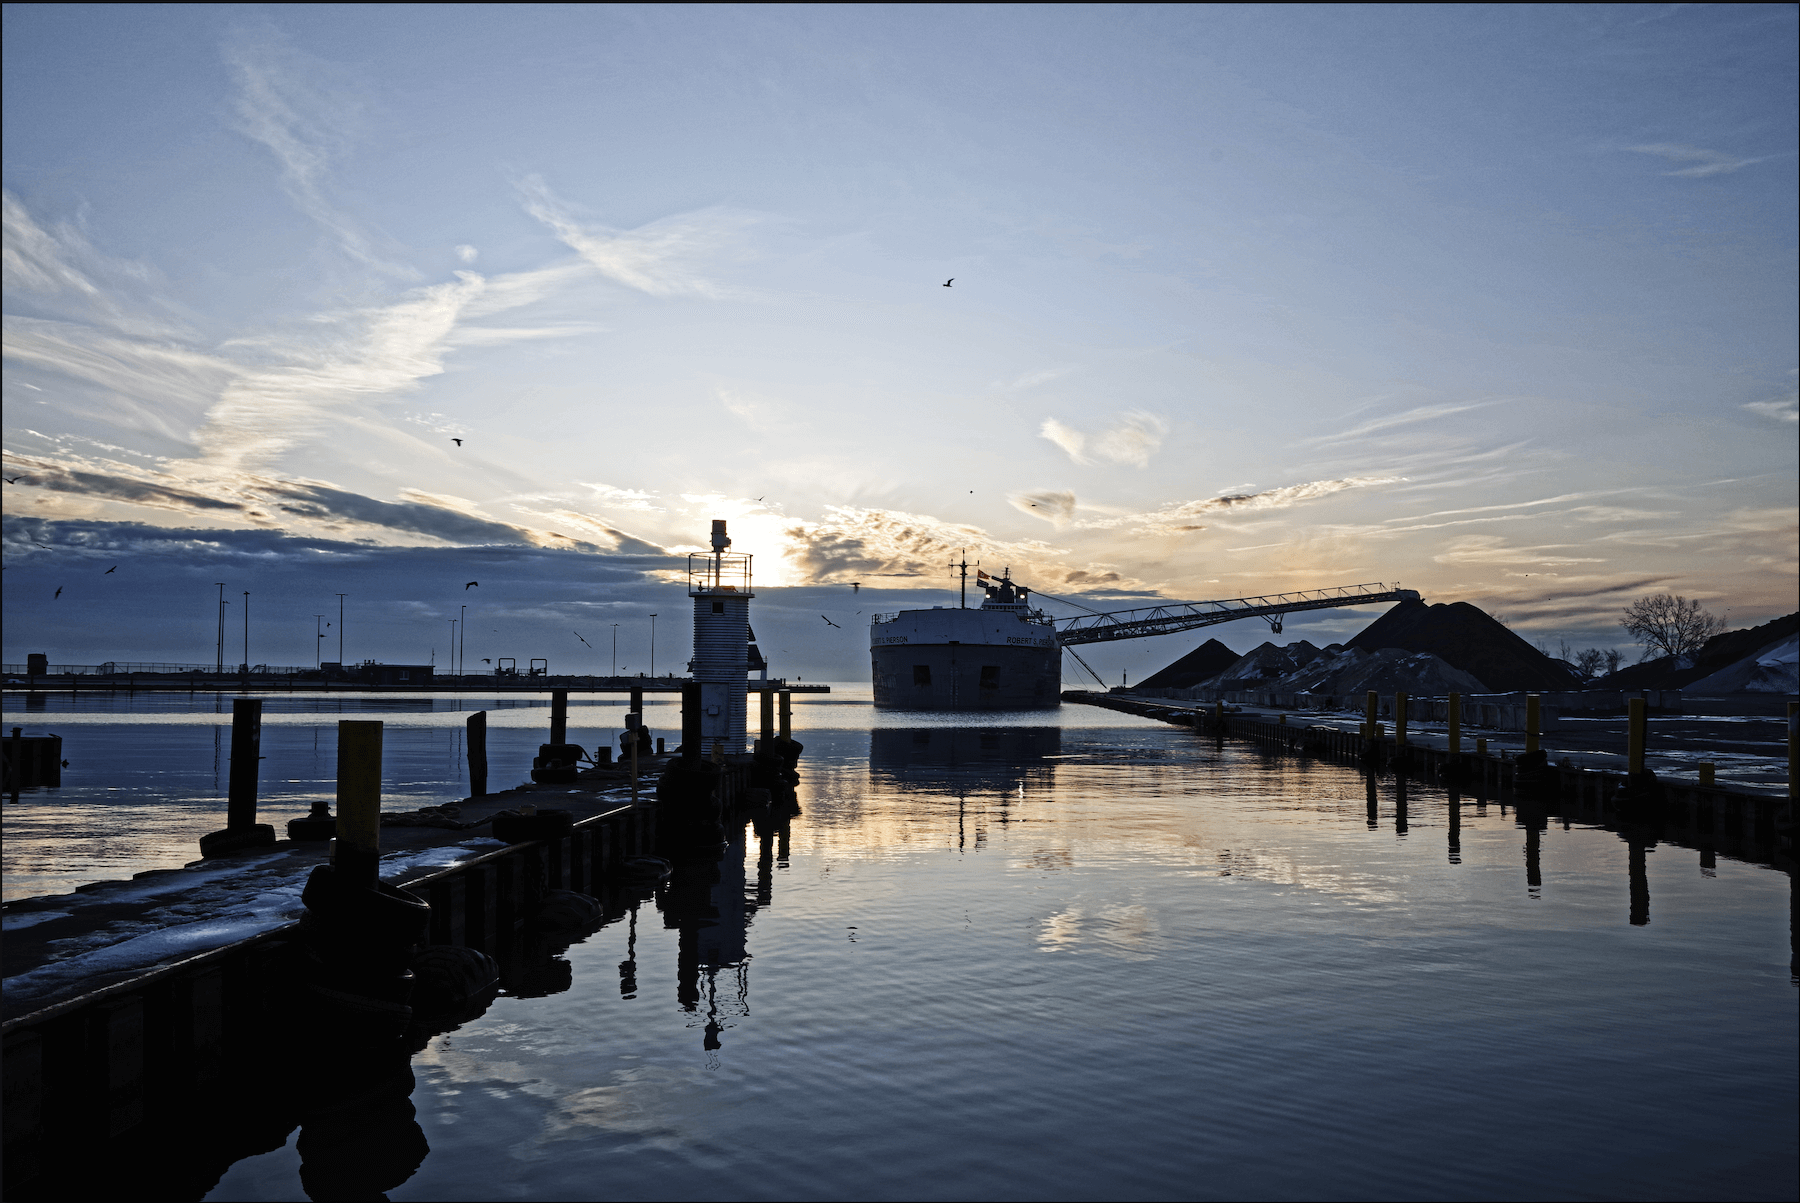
[1422, 413]
[1700, 161]
[664, 258]
[1132, 439]
[1061, 508]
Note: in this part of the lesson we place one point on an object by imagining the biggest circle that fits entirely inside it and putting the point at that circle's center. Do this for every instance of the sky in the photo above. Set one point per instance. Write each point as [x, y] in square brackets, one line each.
[1497, 303]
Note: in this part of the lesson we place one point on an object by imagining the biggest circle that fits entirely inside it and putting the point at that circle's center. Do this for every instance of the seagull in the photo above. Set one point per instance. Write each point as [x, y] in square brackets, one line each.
[830, 623]
[470, 586]
[45, 546]
[458, 442]
[57, 594]
[114, 568]
[947, 282]
[764, 495]
[12, 480]
[584, 643]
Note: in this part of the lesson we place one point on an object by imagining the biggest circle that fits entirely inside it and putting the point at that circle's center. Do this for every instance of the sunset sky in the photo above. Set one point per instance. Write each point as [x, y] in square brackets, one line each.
[1495, 302]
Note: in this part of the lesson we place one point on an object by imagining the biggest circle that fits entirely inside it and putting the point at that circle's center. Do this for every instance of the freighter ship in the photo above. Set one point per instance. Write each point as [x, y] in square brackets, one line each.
[1000, 655]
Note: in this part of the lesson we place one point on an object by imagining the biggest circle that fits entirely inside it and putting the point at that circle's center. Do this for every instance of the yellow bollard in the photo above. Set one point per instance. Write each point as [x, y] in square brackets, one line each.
[1455, 717]
[1531, 722]
[1637, 727]
[1707, 769]
[357, 857]
[1400, 719]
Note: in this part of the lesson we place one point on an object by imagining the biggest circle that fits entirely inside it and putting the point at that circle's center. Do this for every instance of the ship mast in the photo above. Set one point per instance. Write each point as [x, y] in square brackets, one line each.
[964, 565]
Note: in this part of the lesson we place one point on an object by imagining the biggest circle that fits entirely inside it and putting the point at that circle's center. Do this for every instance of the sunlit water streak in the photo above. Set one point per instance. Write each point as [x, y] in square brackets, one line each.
[1103, 959]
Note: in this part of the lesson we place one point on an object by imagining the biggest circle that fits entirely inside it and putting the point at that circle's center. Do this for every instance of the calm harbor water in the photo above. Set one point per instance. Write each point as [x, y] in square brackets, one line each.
[1081, 955]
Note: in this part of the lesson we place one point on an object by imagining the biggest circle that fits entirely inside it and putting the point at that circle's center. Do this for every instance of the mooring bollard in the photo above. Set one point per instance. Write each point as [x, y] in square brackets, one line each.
[1532, 728]
[1399, 719]
[478, 766]
[241, 828]
[1454, 714]
[559, 761]
[559, 716]
[356, 859]
[1637, 728]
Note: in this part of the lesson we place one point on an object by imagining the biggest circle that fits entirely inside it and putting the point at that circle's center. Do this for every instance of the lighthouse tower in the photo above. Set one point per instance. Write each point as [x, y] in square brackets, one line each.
[720, 586]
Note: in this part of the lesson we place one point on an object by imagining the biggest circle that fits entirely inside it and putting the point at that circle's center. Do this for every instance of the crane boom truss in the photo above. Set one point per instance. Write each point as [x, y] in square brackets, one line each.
[1185, 616]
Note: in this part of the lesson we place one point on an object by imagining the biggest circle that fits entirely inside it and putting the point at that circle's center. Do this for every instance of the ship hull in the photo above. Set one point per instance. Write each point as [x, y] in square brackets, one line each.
[945, 676]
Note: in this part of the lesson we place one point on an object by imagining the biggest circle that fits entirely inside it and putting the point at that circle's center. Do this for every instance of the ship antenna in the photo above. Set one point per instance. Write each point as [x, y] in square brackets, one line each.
[964, 565]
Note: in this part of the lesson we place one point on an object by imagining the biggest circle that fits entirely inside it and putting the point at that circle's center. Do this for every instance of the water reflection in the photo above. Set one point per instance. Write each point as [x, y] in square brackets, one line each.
[927, 758]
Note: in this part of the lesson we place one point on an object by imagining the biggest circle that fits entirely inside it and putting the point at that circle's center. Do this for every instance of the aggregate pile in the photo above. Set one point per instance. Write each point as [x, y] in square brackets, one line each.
[1260, 666]
[1773, 668]
[1207, 660]
[1340, 671]
[1721, 652]
[1469, 639]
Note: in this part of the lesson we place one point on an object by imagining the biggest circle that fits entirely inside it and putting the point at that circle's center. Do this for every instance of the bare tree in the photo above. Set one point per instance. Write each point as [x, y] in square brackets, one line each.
[1669, 625]
[1589, 663]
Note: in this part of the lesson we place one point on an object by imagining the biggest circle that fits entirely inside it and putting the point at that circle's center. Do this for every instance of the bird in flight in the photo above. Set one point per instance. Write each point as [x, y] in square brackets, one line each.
[830, 623]
[114, 568]
[45, 546]
[12, 480]
[947, 282]
[764, 495]
[458, 442]
[57, 594]
[584, 643]
[470, 586]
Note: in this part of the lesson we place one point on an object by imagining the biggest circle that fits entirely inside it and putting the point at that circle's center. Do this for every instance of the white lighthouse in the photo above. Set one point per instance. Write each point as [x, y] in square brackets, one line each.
[720, 586]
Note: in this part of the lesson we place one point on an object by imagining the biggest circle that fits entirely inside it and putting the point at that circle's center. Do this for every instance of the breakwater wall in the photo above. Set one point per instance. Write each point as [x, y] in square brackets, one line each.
[1759, 827]
[108, 1072]
[1492, 711]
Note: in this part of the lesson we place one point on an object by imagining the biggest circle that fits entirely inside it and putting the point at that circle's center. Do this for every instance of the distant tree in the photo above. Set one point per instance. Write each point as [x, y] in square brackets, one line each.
[1588, 663]
[1669, 625]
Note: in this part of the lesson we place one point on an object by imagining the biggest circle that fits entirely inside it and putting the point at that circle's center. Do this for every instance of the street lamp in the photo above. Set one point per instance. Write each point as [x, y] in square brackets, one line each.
[220, 668]
[340, 598]
[653, 645]
[615, 671]
[246, 667]
[463, 642]
[319, 642]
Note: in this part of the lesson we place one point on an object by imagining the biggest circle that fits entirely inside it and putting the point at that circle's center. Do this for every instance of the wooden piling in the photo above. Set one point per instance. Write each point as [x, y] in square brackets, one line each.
[767, 707]
[1707, 770]
[1793, 744]
[690, 721]
[1532, 722]
[1637, 730]
[1400, 719]
[478, 762]
[1454, 713]
[357, 856]
[559, 716]
[787, 714]
[1372, 721]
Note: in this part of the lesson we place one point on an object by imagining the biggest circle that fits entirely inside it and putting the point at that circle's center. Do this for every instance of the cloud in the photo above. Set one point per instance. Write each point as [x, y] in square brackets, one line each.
[1493, 549]
[1784, 408]
[467, 253]
[1182, 517]
[854, 544]
[1054, 508]
[658, 258]
[282, 103]
[1423, 413]
[1701, 162]
[1133, 439]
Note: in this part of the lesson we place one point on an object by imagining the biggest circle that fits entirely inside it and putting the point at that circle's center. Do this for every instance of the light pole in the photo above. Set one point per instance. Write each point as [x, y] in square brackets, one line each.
[340, 598]
[246, 630]
[653, 645]
[615, 671]
[463, 643]
[453, 623]
[319, 643]
[220, 667]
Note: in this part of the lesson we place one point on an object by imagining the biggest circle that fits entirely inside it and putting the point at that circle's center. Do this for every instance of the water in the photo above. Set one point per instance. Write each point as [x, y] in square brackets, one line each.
[1084, 955]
